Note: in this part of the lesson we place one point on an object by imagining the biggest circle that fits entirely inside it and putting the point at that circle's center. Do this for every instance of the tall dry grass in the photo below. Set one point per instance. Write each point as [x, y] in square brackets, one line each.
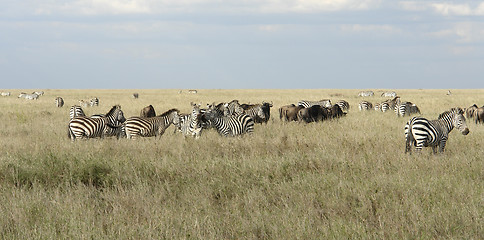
[347, 178]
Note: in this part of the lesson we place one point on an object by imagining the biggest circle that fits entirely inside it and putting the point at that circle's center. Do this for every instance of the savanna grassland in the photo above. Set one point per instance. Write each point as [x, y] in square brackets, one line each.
[342, 179]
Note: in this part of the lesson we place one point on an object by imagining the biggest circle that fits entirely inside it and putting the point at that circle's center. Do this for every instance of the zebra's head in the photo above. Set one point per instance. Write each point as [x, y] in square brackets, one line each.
[117, 115]
[457, 118]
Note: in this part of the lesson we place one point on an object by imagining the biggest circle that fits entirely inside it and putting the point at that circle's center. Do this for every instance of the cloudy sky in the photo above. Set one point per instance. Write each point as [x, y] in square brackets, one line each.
[122, 44]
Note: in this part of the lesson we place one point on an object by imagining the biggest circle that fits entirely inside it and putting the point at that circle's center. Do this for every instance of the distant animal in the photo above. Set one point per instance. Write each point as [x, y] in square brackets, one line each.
[366, 94]
[135, 95]
[150, 126]
[406, 108]
[40, 93]
[470, 111]
[83, 103]
[147, 111]
[32, 96]
[479, 115]
[193, 91]
[5, 94]
[233, 125]
[59, 102]
[307, 104]
[365, 105]
[389, 94]
[76, 111]
[344, 105]
[314, 113]
[421, 132]
[449, 93]
[94, 102]
[93, 127]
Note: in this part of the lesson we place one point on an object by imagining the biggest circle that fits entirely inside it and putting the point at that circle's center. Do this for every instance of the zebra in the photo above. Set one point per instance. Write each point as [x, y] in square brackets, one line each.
[5, 94]
[40, 93]
[256, 112]
[421, 132]
[76, 111]
[193, 91]
[389, 94]
[406, 108]
[365, 105]
[230, 125]
[94, 102]
[97, 126]
[344, 105]
[191, 124]
[233, 108]
[366, 94]
[32, 96]
[59, 102]
[384, 106]
[83, 103]
[308, 104]
[152, 126]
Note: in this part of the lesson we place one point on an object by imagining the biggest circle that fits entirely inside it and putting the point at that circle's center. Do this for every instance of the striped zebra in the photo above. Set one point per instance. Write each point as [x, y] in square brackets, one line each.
[31, 96]
[230, 125]
[344, 105]
[308, 104]
[76, 111]
[383, 107]
[256, 112]
[421, 132]
[40, 93]
[94, 102]
[151, 126]
[389, 94]
[406, 108]
[83, 103]
[366, 94]
[5, 94]
[365, 105]
[233, 108]
[59, 102]
[191, 124]
[98, 126]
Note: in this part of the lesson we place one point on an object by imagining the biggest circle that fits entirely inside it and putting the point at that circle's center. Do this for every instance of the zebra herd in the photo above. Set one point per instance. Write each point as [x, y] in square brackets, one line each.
[400, 108]
[228, 119]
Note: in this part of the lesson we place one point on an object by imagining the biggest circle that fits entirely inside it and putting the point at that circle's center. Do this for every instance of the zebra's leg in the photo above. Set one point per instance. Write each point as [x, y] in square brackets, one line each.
[442, 146]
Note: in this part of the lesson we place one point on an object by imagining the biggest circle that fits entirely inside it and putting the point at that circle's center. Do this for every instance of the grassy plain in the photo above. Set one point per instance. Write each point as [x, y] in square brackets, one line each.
[338, 179]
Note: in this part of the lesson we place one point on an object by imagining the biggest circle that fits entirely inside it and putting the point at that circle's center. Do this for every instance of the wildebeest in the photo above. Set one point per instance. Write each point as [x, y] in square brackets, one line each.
[289, 112]
[260, 113]
[135, 95]
[59, 102]
[470, 111]
[479, 115]
[148, 111]
[335, 111]
[314, 113]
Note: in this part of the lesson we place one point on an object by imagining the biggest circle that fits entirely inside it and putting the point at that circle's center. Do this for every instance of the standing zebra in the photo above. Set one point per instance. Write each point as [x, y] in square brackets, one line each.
[256, 112]
[421, 132]
[230, 125]
[151, 126]
[233, 108]
[308, 104]
[59, 102]
[389, 94]
[76, 111]
[92, 127]
[406, 108]
[190, 124]
[366, 94]
[365, 105]
[94, 102]
[344, 105]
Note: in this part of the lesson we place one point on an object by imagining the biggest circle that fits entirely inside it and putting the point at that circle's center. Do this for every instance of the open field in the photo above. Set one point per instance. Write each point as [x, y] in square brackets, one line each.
[340, 179]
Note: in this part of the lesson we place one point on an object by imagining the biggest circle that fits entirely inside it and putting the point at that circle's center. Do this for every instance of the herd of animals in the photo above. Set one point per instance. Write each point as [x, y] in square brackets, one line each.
[233, 118]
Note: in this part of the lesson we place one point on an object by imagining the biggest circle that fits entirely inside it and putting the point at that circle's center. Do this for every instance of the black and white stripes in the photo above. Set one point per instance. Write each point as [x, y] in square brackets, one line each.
[92, 127]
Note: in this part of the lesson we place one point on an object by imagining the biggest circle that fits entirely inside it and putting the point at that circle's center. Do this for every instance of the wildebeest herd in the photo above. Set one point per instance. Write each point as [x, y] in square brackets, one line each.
[234, 119]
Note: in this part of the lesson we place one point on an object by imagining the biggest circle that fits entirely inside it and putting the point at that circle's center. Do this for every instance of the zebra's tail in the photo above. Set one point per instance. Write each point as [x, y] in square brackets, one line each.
[409, 139]
[70, 133]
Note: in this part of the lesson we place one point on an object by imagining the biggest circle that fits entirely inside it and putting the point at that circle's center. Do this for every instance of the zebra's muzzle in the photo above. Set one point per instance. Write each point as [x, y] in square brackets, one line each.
[466, 131]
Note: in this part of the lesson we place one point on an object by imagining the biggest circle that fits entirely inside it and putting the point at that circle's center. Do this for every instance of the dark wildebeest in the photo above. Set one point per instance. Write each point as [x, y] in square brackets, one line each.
[335, 111]
[282, 111]
[479, 115]
[148, 111]
[470, 111]
[289, 113]
[314, 113]
[135, 95]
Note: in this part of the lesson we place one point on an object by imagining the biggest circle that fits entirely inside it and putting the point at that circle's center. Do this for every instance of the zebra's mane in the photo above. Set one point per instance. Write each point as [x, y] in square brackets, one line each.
[113, 109]
[457, 111]
[168, 112]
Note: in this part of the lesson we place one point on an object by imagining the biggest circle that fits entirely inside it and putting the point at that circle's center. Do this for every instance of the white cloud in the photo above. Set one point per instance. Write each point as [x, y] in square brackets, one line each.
[464, 32]
[370, 28]
[445, 9]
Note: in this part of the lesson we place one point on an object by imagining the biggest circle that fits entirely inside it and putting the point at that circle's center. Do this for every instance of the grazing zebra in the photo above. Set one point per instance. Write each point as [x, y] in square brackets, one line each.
[32, 96]
[76, 111]
[366, 94]
[230, 125]
[365, 105]
[308, 104]
[59, 102]
[421, 132]
[5, 94]
[94, 102]
[406, 108]
[135, 95]
[194, 91]
[344, 105]
[191, 124]
[389, 94]
[152, 126]
[40, 93]
[98, 126]
[384, 106]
